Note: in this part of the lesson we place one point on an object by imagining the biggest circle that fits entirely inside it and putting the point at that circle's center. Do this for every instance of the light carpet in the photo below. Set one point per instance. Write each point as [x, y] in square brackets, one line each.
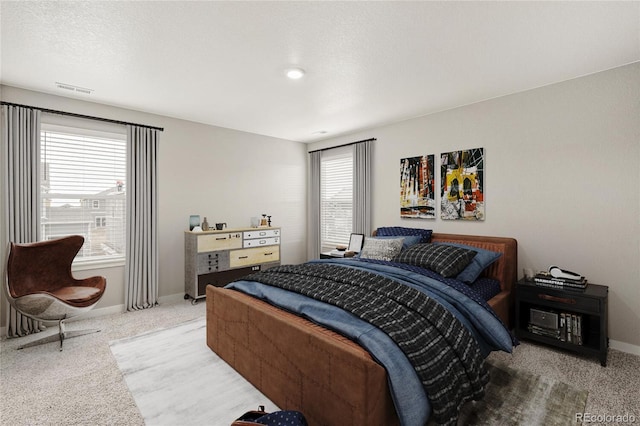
[175, 379]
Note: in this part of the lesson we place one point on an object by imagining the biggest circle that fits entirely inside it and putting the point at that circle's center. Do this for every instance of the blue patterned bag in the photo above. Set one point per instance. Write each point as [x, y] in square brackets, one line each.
[260, 417]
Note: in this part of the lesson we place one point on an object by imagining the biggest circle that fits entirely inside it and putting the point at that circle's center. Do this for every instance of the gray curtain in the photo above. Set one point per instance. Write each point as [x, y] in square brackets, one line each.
[313, 245]
[141, 269]
[362, 188]
[21, 168]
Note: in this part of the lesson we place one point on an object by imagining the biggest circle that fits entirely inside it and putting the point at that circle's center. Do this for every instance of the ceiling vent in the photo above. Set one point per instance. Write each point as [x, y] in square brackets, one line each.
[73, 88]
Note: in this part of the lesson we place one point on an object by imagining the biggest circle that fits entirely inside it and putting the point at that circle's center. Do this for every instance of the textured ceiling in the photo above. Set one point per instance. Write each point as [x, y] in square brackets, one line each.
[367, 63]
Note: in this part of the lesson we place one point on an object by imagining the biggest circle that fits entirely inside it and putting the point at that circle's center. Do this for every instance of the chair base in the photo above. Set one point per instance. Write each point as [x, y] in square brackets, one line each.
[61, 336]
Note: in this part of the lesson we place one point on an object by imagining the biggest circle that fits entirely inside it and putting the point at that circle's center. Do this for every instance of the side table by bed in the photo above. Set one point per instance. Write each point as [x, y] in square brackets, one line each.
[551, 305]
[329, 255]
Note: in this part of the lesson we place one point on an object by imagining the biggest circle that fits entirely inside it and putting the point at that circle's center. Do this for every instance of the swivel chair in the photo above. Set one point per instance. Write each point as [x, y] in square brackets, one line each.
[39, 284]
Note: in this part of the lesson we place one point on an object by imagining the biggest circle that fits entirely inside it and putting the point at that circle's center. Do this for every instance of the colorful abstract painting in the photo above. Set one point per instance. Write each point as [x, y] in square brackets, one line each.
[417, 184]
[462, 185]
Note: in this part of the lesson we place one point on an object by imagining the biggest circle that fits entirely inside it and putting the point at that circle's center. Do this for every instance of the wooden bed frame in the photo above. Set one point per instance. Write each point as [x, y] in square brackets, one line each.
[302, 366]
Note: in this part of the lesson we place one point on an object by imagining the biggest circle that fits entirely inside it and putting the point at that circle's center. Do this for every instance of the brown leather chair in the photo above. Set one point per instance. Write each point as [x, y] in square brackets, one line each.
[40, 285]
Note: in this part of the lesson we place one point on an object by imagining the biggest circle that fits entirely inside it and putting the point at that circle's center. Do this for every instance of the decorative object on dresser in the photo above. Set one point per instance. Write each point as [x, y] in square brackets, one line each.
[194, 220]
[217, 257]
[564, 317]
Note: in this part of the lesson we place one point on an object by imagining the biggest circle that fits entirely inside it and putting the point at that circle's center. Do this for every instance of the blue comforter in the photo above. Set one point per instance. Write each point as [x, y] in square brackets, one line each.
[412, 404]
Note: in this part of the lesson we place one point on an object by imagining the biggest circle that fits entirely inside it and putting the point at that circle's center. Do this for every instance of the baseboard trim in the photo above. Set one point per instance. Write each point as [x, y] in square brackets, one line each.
[111, 310]
[174, 298]
[624, 347]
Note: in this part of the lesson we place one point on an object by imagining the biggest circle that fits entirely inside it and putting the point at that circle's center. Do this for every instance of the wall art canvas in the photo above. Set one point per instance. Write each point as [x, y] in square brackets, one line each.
[462, 185]
[417, 185]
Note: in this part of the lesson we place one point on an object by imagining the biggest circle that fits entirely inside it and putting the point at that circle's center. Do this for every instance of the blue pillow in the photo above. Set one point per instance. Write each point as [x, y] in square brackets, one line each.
[408, 240]
[399, 231]
[482, 259]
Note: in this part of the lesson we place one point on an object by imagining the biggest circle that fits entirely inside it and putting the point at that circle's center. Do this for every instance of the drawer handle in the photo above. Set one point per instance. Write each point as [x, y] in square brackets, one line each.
[243, 257]
[565, 300]
[268, 254]
[263, 242]
[221, 238]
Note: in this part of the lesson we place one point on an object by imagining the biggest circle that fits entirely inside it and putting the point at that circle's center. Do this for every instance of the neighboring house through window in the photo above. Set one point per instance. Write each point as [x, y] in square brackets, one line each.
[83, 189]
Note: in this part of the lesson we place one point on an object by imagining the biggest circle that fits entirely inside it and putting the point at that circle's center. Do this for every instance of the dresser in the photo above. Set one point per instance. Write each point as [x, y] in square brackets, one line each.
[219, 257]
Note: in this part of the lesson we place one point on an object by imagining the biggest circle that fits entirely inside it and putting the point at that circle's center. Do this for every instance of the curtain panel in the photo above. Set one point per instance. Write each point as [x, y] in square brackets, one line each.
[313, 244]
[21, 168]
[141, 267]
[362, 187]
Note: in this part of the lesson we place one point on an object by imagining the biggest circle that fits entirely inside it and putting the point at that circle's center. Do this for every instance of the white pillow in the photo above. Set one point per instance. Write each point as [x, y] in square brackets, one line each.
[381, 249]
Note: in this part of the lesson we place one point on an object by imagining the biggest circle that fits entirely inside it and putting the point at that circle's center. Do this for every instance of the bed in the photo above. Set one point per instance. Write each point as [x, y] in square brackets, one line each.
[326, 372]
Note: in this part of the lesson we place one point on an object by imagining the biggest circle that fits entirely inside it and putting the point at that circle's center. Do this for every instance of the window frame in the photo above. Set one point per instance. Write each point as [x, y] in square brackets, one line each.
[336, 154]
[81, 127]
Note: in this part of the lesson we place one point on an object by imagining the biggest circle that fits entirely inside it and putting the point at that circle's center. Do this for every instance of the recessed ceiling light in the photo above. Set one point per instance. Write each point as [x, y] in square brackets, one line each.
[320, 132]
[295, 73]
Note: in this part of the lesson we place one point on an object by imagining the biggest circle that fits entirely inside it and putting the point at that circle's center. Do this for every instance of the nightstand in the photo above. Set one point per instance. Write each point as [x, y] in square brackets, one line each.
[570, 319]
[329, 255]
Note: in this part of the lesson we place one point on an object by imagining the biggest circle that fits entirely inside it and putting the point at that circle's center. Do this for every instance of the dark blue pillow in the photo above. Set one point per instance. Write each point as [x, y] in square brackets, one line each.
[399, 231]
[481, 260]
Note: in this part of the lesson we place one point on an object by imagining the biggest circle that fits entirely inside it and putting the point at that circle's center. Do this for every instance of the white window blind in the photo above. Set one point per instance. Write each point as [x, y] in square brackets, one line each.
[83, 189]
[336, 198]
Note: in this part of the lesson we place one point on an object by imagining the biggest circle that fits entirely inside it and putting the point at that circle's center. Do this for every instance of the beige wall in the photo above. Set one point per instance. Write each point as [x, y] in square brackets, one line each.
[562, 166]
[226, 175]
[562, 172]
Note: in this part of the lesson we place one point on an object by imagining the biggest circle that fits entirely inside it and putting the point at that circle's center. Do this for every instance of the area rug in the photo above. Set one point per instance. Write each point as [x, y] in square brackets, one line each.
[516, 397]
[175, 379]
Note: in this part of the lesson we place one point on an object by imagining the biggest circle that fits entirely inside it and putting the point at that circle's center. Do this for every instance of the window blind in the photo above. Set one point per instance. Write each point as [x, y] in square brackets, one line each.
[336, 198]
[83, 189]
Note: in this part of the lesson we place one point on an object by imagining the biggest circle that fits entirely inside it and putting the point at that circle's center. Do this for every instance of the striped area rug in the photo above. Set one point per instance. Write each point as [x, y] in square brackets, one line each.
[176, 379]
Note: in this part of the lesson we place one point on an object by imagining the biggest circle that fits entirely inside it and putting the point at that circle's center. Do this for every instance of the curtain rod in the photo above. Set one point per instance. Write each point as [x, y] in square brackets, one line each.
[344, 144]
[89, 117]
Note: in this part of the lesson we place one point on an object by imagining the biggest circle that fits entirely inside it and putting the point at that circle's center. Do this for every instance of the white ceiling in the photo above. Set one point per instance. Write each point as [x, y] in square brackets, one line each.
[367, 63]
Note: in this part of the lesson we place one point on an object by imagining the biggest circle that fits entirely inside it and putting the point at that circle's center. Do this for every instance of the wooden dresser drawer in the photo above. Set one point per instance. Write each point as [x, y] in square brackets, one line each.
[252, 256]
[259, 242]
[207, 262]
[215, 242]
[264, 233]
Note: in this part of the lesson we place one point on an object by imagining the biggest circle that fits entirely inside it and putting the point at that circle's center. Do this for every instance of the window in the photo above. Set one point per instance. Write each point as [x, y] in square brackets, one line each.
[83, 189]
[336, 197]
